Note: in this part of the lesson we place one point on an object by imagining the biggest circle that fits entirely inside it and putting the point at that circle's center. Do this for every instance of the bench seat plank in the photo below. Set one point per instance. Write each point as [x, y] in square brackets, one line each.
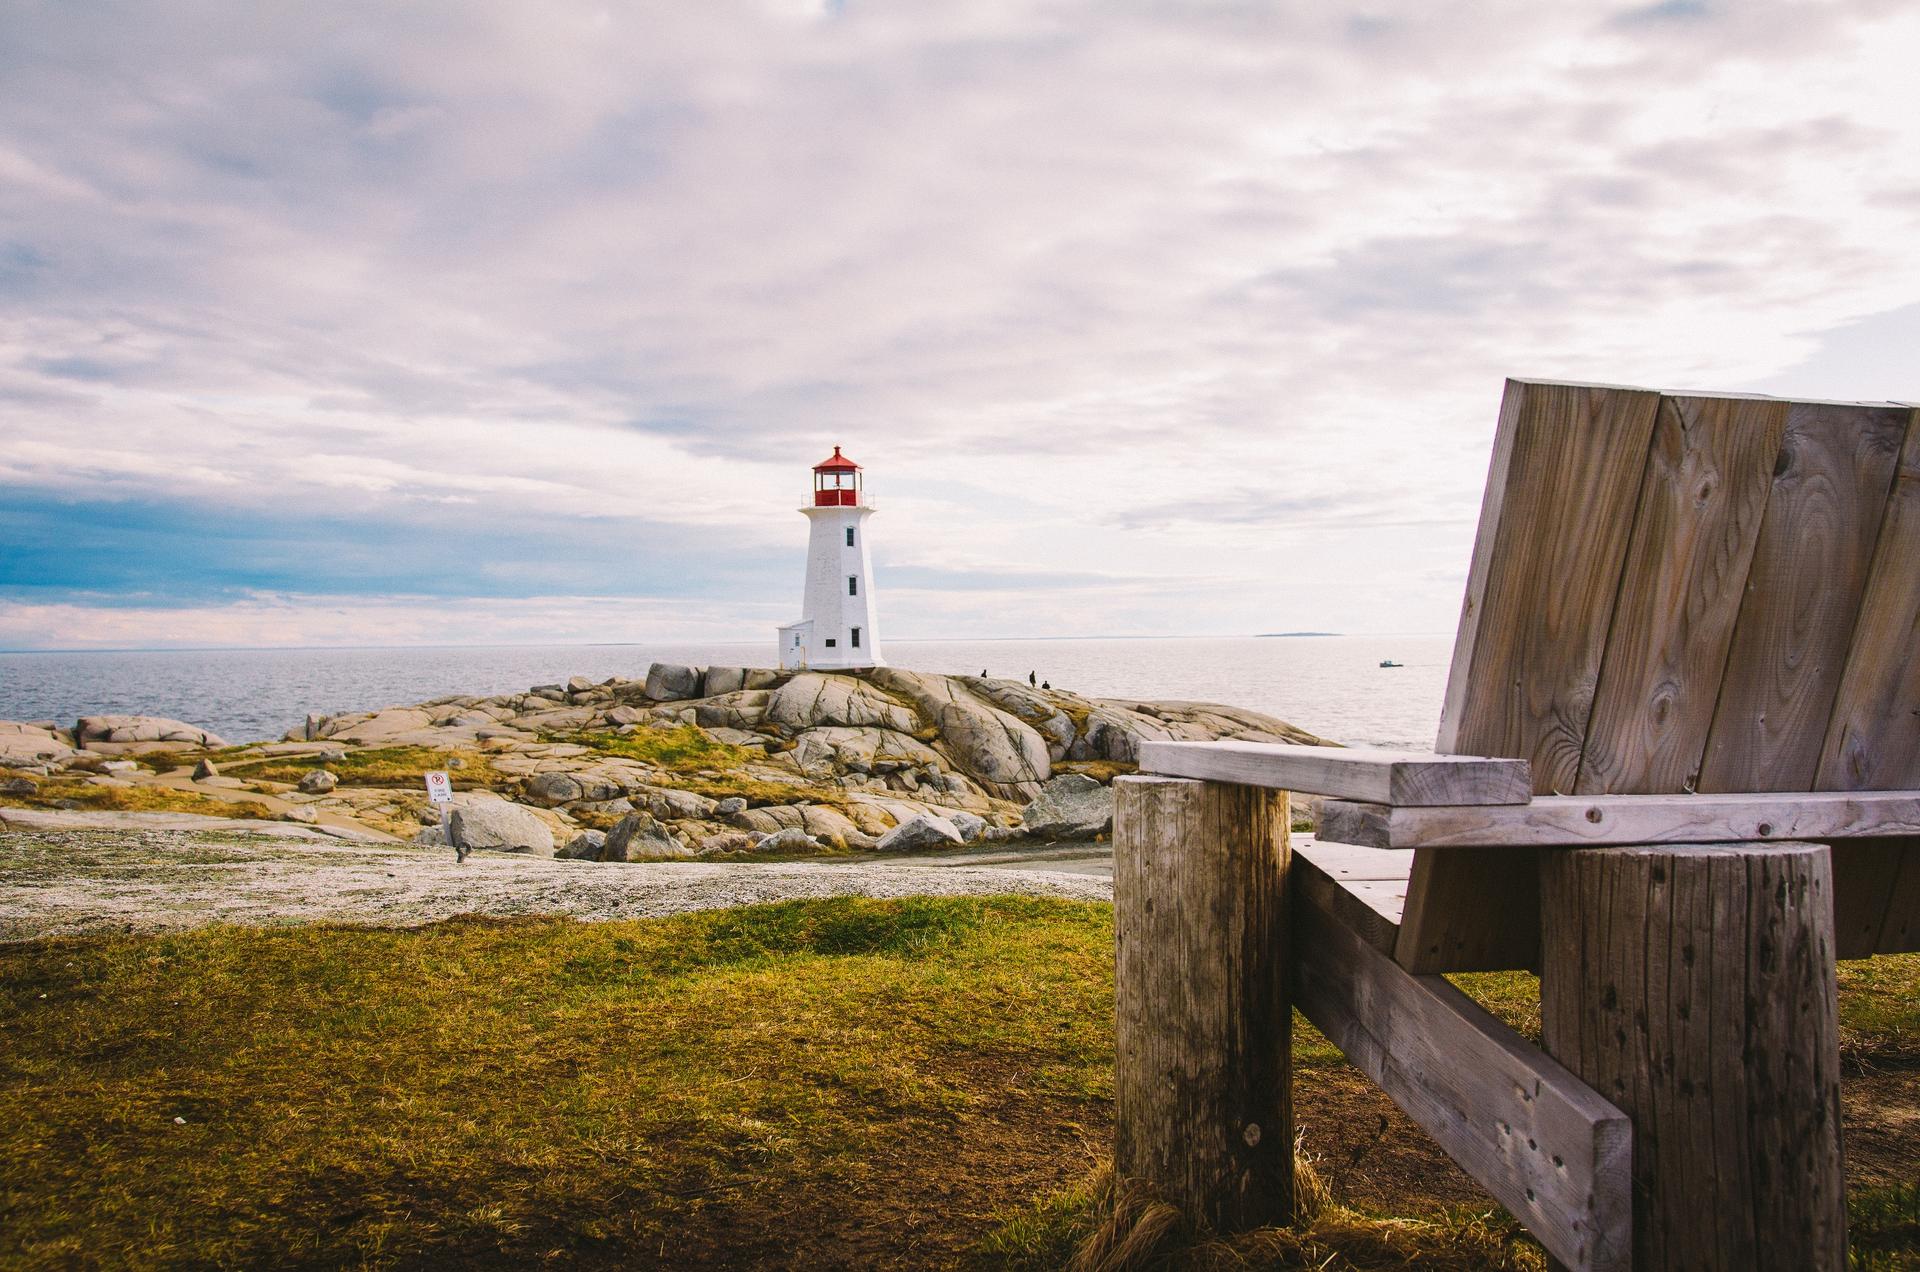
[1365, 888]
[1414, 778]
[1598, 820]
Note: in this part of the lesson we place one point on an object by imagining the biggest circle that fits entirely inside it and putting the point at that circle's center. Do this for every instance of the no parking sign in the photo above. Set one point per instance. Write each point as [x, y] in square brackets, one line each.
[439, 788]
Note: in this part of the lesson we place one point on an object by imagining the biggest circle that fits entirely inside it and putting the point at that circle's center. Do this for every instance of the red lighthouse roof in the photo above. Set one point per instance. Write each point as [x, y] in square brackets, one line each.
[837, 463]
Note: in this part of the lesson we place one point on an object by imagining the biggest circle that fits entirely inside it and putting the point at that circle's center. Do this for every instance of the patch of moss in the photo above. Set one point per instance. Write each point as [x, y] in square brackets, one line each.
[399, 766]
[1103, 771]
[135, 799]
[684, 748]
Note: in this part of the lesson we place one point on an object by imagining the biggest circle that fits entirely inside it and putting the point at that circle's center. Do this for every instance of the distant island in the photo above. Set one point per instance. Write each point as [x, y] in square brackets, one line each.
[1282, 635]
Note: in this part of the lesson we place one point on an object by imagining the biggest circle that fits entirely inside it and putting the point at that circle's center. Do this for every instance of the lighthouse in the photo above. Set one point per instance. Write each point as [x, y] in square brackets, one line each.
[839, 624]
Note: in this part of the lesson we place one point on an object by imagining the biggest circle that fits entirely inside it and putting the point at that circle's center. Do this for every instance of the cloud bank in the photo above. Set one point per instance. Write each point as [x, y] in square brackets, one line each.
[1144, 318]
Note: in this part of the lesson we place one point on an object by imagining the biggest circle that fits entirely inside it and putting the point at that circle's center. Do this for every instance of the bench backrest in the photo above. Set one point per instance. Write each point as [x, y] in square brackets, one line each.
[1674, 592]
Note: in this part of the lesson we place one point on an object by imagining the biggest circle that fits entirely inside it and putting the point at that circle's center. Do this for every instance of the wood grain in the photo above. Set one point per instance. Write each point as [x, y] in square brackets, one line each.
[1900, 930]
[1865, 874]
[1579, 820]
[1695, 990]
[1365, 888]
[1554, 526]
[1803, 593]
[1202, 1103]
[1387, 777]
[1709, 472]
[1555, 1153]
[1873, 738]
[1471, 910]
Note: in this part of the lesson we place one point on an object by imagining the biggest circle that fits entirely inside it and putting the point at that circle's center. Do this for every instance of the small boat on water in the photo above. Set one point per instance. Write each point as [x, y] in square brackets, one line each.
[1388, 662]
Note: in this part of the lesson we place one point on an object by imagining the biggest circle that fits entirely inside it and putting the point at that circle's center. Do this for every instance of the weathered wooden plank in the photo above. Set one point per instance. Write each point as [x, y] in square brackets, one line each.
[1865, 873]
[1708, 475]
[1470, 910]
[1873, 739]
[1803, 594]
[1203, 1108]
[1387, 777]
[1365, 888]
[1900, 932]
[1552, 1151]
[1596, 820]
[1695, 990]
[1554, 525]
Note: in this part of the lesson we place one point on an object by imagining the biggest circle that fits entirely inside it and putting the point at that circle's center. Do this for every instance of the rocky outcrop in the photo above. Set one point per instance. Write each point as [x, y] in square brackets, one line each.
[669, 682]
[501, 826]
[113, 732]
[690, 760]
[1071, 806]
[994, 747]
[921, 834]
[812, 700]
[638, 837]
[24, 745]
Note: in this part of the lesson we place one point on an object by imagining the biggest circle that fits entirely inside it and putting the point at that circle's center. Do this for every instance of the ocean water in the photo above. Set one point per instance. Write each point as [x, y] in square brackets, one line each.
[1331, 685]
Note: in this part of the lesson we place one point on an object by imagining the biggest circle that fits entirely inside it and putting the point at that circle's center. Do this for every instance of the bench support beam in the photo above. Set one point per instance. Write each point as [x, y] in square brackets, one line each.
[1202, 1102]
[1541, 1141]
[1694, 988]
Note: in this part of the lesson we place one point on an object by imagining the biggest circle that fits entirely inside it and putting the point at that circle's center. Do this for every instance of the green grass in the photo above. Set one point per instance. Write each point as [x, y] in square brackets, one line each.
[512, 1093]
[401, 766]
[684, 748]
[1883, 1229]
[134, 799]
[715, 1086]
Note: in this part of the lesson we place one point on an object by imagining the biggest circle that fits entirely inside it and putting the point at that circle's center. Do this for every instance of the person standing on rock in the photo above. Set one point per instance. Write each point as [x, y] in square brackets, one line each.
[1033, 680]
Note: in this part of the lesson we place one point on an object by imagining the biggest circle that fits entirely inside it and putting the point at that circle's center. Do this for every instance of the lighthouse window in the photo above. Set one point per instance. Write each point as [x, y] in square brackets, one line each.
[831, 642]
[853, 585]
[849, 536]
[856, 638]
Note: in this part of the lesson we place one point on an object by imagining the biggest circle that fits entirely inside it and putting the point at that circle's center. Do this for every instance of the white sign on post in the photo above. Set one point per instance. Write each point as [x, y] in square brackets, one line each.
[439, 788]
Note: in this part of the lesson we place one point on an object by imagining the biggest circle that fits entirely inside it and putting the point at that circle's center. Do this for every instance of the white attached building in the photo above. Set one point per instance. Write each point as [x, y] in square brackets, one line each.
[839, 621]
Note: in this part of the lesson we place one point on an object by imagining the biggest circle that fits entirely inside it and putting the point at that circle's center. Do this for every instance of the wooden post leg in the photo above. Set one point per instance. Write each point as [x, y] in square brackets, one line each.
[1203, 1102]
[1694, 988]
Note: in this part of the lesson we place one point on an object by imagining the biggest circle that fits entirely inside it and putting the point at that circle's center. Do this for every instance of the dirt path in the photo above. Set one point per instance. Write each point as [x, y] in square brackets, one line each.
[159, 871]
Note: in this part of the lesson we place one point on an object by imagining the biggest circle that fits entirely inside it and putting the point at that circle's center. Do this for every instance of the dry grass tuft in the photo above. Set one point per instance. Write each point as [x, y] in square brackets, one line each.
[396, 766]
[59, 793]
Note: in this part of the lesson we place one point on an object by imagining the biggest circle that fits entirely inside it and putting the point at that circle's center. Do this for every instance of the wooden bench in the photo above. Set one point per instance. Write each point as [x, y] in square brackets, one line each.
[1678, 774]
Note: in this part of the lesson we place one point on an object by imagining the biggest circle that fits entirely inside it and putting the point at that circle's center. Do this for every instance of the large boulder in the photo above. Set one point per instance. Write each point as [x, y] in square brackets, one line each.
[556, 787]
[743, 709]
[38, 742]
[792, 839]
[638, 837]
[124, 730]
[494, 823]
[921, 833]
[585, 846]
[997, 749]
[814, 699]
[719, 680]
[670, 682]
[1071, 806]
[667, 804]
[318, 782]
[835, 748]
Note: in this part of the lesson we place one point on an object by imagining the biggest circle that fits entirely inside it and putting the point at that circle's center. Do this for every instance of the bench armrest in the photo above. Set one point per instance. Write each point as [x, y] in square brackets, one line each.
[1402, 779]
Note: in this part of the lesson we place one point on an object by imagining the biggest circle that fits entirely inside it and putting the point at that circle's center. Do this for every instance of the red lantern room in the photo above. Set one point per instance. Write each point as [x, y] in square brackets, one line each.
[837, 482]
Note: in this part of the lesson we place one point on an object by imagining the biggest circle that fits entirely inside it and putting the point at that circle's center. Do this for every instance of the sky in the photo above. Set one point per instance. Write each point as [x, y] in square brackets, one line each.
[475, 322]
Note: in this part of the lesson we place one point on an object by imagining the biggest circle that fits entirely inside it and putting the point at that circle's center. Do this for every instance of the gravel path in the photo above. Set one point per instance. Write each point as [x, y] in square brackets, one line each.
[64, 879]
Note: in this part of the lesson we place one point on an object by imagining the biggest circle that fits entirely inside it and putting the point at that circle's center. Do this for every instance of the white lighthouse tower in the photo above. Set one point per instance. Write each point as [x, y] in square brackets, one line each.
[839, 623]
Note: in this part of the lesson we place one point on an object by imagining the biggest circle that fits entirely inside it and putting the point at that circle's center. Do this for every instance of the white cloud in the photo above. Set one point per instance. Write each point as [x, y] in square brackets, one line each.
[1081, 283]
